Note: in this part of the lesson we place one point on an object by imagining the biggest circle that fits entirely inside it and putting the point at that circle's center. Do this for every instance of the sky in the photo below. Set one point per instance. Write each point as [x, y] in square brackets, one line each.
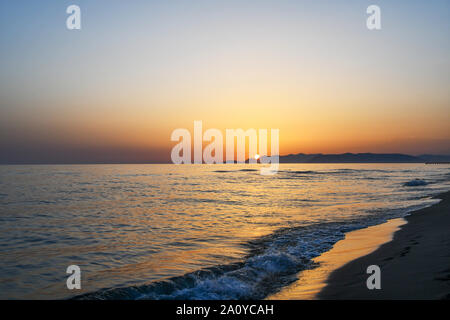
[115, 90]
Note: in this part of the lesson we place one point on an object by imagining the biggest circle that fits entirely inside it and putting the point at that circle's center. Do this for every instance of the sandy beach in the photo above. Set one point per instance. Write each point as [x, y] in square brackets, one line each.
[356, 244]
[414, 265]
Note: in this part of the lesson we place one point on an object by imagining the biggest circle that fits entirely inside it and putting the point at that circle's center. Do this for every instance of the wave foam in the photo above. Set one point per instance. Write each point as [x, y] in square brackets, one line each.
[273, 262]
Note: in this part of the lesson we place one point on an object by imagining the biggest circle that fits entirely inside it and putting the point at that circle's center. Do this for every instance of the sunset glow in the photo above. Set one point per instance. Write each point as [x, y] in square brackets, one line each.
[210, 158]
[115, 90]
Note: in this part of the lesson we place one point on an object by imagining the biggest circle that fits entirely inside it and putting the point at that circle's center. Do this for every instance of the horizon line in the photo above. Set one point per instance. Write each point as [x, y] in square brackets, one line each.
[246, 161]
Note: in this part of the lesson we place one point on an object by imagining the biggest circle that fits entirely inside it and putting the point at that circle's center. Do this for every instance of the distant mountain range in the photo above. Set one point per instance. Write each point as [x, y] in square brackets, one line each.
[362, 158]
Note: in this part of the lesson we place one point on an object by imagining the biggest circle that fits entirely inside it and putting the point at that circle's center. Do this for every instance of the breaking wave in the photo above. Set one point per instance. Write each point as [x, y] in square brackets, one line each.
[273, 262]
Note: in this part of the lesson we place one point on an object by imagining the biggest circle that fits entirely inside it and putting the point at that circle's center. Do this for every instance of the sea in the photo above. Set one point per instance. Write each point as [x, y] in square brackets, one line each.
[163, 231]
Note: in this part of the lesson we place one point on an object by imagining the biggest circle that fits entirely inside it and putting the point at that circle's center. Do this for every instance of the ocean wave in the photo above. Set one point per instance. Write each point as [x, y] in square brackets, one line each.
[138, 175]
[343, 171]
[239, 170]
[304, 172]
[415, 183]
[272, 263]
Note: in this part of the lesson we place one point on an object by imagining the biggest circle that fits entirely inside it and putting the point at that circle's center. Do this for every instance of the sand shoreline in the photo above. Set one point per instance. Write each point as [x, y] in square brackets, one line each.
[412, 252]
[414, 265]
[356, 244]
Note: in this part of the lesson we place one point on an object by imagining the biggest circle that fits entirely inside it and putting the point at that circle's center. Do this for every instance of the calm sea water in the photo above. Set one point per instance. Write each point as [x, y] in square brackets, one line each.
[189, 232]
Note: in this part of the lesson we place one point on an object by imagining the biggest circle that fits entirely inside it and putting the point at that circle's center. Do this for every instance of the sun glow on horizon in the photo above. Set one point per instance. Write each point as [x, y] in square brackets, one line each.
[114, 92]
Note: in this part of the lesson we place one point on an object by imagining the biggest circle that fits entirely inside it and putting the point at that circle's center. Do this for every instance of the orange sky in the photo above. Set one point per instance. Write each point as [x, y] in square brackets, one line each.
[311, 70]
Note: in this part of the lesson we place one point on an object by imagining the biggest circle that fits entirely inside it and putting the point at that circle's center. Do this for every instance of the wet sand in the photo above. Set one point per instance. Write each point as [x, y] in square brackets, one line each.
[356, 244]
[414, 265]
[412, 253]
